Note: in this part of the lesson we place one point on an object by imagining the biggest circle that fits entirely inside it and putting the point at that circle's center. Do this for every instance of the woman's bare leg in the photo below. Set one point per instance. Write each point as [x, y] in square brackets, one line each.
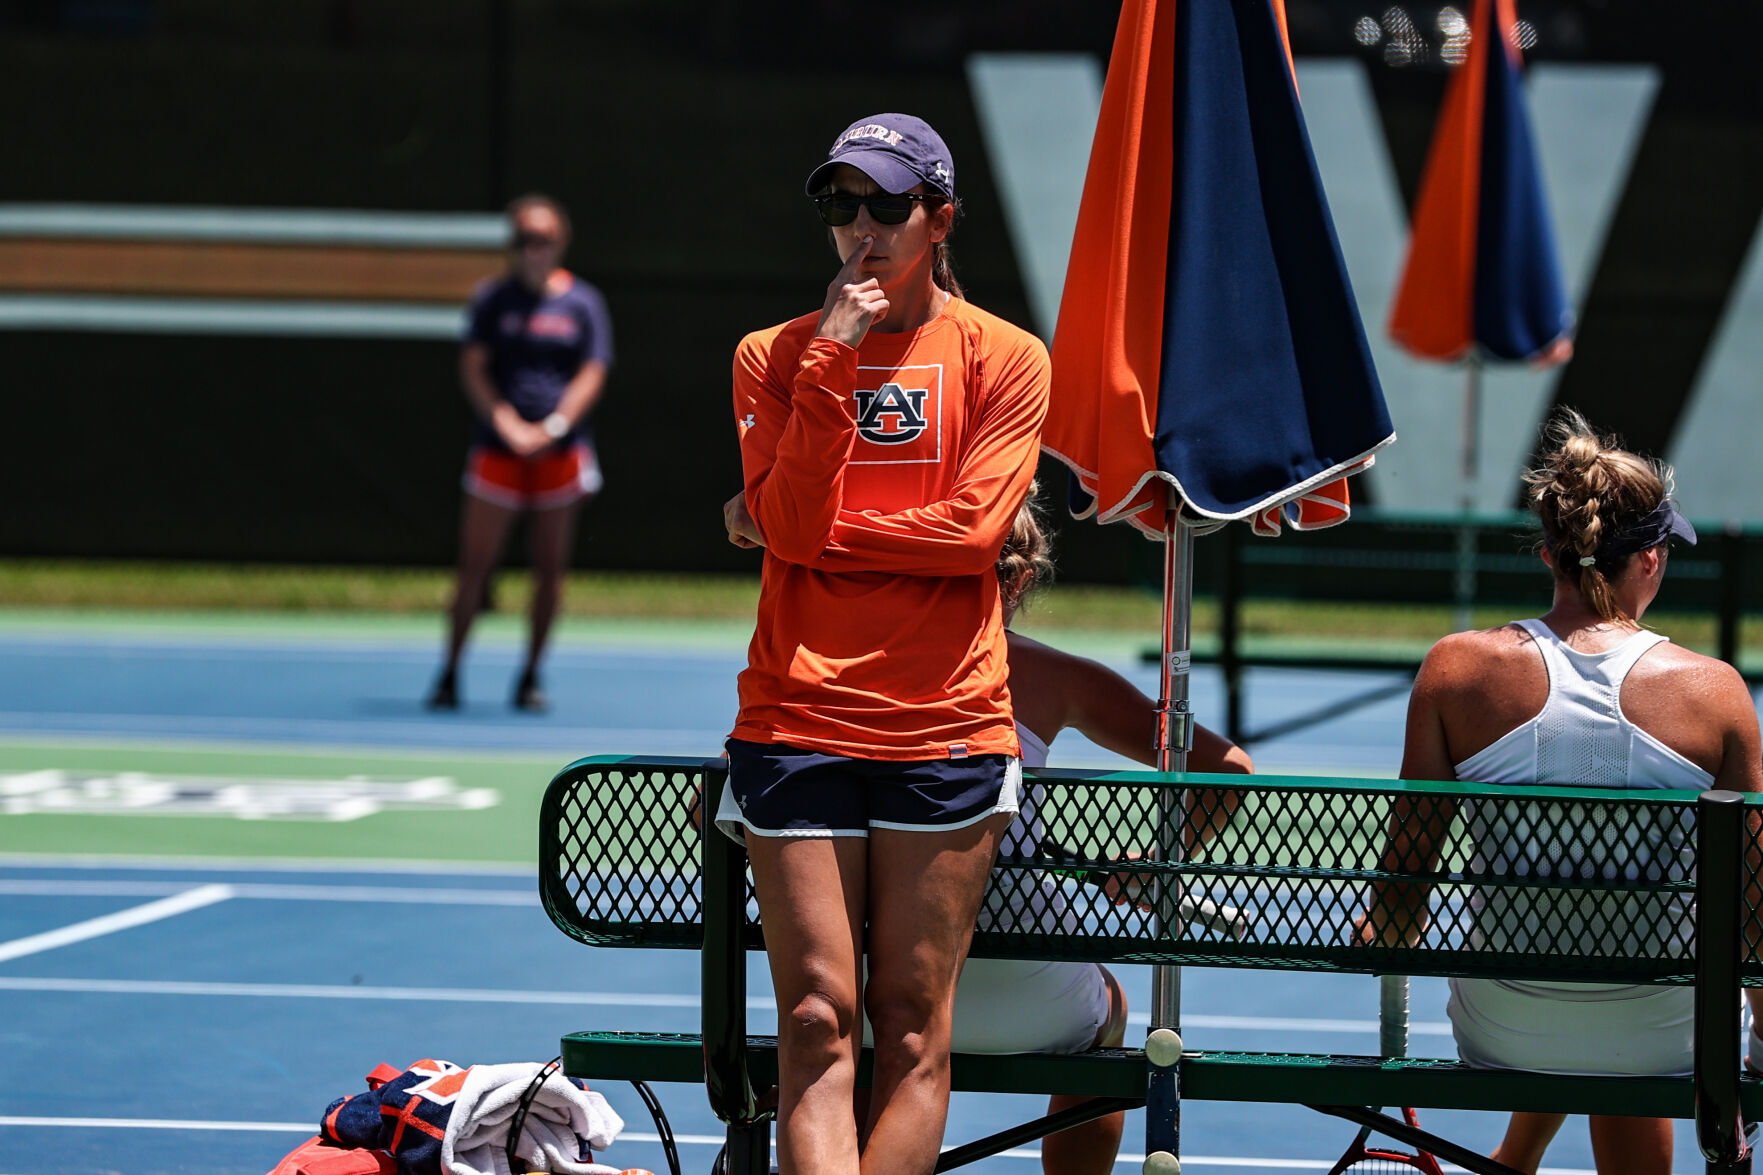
[1527, 1136]
[1631, 1146]
[1089, 1149]
[812, 893]
[553, 535]
[925, 890]
[483, 530]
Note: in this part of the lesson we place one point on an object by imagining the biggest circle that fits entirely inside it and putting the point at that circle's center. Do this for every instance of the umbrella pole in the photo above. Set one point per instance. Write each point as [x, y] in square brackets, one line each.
[1466, 551]
[1175, 735]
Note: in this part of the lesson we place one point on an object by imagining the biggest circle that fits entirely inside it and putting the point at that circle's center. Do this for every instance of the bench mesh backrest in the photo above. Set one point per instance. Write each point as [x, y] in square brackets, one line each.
[1568, 883]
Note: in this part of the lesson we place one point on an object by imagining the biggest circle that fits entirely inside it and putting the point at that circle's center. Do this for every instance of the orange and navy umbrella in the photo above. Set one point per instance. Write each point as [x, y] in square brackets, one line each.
[1482, 278]
[1208, 338]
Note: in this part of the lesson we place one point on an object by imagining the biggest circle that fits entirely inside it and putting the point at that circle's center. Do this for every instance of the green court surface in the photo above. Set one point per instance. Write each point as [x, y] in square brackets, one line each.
[505, 832]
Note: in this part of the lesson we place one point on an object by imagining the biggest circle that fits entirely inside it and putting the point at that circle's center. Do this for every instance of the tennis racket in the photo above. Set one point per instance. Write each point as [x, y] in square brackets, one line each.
[1362, 1154]
[1227, 920]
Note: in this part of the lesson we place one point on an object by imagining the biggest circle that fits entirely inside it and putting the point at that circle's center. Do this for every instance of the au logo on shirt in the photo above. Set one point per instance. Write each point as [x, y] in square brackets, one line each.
[899, 409]
[890, 414]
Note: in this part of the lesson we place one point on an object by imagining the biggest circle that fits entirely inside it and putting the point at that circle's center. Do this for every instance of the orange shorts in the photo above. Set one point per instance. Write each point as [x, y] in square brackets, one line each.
[554, 477]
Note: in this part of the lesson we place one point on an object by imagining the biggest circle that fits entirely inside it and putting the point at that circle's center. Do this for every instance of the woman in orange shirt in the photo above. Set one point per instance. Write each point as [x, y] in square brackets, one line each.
[886, 442]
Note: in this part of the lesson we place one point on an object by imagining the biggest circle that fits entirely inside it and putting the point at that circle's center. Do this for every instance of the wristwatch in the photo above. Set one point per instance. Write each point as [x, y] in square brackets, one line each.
[556, 426]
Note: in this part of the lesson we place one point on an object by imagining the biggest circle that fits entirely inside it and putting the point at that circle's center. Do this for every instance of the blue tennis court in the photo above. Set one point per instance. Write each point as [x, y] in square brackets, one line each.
[197, 1013]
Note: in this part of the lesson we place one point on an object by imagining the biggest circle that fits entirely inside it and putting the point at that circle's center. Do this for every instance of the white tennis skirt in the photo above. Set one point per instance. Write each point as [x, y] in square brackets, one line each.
[1582, 1029]
[1022, 1006]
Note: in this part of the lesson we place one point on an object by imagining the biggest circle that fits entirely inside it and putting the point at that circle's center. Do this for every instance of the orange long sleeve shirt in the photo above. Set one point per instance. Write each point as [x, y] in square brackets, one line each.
[885, 480]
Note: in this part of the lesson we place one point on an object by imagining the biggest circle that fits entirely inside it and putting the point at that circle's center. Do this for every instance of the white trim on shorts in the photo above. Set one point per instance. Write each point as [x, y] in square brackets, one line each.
[733, 823]
[1009, 801]
[588, 482]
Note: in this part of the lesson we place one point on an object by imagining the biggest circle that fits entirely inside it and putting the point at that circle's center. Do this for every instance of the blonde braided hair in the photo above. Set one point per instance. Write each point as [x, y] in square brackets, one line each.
[1586, 488]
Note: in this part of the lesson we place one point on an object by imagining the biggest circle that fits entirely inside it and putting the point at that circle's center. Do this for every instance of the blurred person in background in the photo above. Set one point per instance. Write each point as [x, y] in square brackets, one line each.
[537, 349]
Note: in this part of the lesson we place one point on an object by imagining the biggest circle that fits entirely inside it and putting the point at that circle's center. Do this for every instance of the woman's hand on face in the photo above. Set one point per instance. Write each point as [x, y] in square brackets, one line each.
[742, 530]
[852, 306]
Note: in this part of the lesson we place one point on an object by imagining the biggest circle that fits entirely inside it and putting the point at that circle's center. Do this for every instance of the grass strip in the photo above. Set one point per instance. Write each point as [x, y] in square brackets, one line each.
[1317, 626]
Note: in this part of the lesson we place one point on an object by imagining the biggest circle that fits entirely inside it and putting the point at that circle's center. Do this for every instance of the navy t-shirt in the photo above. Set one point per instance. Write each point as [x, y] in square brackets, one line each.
[537, 344]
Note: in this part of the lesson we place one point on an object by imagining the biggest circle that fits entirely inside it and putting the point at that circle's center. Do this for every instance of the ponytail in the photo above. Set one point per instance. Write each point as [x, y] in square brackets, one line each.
[942, 270]
[1585, 490]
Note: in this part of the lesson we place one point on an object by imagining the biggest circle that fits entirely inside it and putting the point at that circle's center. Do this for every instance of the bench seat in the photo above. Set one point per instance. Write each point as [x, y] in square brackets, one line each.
[1281, 886]
[1309, 1078]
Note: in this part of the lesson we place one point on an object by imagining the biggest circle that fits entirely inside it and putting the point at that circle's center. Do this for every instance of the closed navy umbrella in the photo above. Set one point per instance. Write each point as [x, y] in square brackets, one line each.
[1209, 364]
[1482, 281]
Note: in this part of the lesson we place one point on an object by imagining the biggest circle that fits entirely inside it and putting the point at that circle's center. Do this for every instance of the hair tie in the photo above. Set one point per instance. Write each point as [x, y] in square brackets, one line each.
[1587, 560]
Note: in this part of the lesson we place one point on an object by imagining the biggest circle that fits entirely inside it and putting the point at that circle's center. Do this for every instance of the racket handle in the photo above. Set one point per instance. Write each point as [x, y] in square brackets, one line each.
[1392, 1016]
[1226, 920]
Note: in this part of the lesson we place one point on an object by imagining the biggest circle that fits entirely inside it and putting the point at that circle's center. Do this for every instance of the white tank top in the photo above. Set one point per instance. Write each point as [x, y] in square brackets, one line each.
[1580, 737]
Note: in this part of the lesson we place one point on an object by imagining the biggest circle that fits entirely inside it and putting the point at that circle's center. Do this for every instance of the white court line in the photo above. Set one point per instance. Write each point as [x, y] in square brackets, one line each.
[172, 863]
[682, 1139]
[281, 893]
[372, 894]
[193, 899]
[479, 995]
[160, 1124]
[338, 991]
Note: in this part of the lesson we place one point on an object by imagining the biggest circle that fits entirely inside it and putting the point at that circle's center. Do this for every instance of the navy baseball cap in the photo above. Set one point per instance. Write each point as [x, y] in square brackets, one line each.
[897, 151]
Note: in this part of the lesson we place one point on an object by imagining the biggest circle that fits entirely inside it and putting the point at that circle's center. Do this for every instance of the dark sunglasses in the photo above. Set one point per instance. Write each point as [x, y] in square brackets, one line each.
[533, 240]
[838, 209]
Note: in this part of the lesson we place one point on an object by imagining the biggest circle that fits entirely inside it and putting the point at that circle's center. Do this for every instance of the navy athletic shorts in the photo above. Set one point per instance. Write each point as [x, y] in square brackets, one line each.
[778, 790]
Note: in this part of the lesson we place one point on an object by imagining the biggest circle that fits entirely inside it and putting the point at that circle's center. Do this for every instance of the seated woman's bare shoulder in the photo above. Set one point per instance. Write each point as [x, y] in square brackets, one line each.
[1479, 685]
[1697, 705]
[1477, 659]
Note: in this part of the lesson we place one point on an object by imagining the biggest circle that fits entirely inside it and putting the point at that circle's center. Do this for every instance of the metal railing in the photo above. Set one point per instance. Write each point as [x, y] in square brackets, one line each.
[1413, 557]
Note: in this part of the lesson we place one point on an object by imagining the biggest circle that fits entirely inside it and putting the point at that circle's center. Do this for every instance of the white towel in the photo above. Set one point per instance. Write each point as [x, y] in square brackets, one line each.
[476, 1142]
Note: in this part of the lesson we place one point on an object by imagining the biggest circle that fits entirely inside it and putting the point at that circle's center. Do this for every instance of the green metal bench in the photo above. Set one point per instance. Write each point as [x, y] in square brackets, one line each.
[622, 865]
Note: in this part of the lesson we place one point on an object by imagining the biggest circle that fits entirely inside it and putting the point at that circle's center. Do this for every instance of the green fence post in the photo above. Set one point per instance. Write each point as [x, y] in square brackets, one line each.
[1720, 869]
[724, 963]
